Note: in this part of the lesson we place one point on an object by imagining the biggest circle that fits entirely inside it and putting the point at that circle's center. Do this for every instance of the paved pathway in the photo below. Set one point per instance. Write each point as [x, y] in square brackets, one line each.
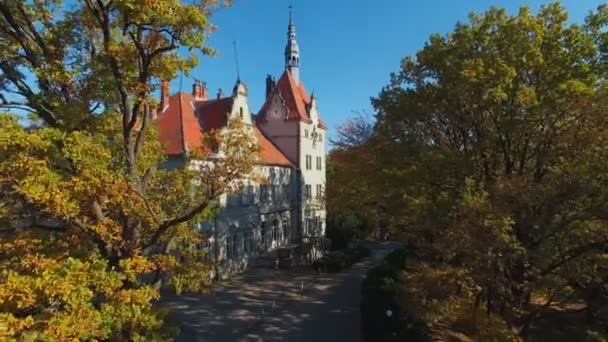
[269, 305]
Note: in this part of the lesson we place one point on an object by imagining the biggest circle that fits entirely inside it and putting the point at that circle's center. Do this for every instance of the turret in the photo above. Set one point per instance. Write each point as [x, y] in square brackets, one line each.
[292, 51]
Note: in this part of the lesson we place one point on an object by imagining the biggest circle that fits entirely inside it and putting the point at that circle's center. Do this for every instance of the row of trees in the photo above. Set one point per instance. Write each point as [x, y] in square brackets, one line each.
[89, 220]
[488, 157]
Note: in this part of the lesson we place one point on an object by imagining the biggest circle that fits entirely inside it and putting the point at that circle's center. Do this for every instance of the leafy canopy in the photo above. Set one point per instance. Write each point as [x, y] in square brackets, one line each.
[90, 219]
[490, 149]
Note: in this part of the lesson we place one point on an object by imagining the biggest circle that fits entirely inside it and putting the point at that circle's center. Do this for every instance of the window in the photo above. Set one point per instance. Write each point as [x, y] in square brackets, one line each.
[275, 230]
[319, 161]
[286, 191]
[232, 200]
[248, 243]
[306, 133]
[285, 232]
[308, 193]
[308, 227]
[308, 162]
[241, 112]
[264, 193]
[235, 246]
[319, 191]
[320, 137]
[263, 236]
[232, 245]
[247, 196]
[229, 247]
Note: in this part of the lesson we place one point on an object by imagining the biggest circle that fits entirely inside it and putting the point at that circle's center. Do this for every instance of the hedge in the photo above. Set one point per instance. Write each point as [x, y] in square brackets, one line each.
[338, 261]
[379, 296]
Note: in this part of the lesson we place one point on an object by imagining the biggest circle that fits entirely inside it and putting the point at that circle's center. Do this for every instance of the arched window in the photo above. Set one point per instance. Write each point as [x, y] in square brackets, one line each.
[275, 230]
[263, 239]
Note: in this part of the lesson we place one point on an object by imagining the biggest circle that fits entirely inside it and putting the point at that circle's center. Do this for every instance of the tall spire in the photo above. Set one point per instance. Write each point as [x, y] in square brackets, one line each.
[292, 51]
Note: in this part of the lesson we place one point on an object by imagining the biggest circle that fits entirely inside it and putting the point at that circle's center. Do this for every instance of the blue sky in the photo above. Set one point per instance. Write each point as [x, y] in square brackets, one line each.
[348, 48]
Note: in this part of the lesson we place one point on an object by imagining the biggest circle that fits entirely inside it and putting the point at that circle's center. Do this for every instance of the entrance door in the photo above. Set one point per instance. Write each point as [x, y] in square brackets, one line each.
[275, 232]
[284, 233]
[263, 233]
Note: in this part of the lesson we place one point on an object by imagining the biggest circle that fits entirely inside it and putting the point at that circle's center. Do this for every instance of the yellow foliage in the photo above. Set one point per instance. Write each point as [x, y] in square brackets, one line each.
[89, 218]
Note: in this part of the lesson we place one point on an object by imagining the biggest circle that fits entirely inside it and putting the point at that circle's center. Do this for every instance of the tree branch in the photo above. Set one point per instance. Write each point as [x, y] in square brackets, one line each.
[175, 221]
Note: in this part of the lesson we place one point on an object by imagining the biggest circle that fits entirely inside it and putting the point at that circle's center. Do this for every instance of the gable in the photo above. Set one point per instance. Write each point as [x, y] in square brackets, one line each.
[185, 120]
[295, 99]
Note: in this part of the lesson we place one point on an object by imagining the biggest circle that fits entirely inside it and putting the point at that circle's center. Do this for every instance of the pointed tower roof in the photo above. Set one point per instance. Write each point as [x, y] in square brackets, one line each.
[292, 50]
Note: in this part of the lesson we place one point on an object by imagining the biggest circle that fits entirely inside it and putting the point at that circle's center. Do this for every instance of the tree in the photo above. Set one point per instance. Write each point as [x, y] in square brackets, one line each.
[90, 218]
[350, 200]
[496, 147]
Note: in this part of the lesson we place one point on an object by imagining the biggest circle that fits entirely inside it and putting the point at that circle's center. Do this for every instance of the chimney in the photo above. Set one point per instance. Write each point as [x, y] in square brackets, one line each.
[270, 84]
[199, 90]
[164, 94]
[153, 111]
[220, 93]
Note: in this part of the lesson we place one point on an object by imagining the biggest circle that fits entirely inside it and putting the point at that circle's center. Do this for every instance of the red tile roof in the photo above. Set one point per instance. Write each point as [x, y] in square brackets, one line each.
[296, 99]
[184, 121]
[179, 129]
[269, 153]
[213, 114]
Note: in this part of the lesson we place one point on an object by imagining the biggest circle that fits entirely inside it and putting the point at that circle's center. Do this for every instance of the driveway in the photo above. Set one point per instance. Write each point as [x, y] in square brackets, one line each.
[269, 305]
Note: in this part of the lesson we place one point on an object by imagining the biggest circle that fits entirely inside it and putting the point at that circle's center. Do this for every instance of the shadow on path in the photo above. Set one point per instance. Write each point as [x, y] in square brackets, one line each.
[271, 305]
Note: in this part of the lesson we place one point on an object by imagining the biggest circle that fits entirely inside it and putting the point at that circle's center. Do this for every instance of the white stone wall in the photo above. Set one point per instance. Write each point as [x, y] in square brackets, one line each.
[297, 140]
[284, 134]
[312, 147]
[278, 211]
[240, 105]
[236, 235]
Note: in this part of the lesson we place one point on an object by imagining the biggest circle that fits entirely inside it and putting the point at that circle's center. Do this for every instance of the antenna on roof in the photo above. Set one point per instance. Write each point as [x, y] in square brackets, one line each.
[181, 79]
[236, 61]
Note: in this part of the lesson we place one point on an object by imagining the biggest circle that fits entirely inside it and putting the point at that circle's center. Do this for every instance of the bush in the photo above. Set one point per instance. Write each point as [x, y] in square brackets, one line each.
[345, 227]
[338, 261]
[382, 318]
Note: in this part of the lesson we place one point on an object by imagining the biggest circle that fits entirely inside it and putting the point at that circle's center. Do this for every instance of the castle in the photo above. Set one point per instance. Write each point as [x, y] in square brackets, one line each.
[288, 209]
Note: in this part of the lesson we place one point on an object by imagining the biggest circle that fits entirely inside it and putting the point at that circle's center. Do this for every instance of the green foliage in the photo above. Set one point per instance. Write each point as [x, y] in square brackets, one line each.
[353, 205]
[344, 227]
[488, 157]
[379, 295]
[90, 221]
[338, 261]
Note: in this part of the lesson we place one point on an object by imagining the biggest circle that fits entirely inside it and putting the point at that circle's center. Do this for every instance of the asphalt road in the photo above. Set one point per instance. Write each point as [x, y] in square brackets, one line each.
[268, 305]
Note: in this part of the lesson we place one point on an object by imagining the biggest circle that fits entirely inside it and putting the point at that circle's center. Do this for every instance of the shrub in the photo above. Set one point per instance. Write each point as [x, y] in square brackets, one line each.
[382, 318]
[338, 261]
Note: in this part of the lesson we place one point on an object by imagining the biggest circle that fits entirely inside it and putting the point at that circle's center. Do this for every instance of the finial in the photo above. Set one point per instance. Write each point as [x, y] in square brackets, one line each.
[290, 16]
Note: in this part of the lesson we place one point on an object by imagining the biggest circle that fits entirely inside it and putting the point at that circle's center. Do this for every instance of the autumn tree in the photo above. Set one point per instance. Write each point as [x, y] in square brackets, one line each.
[90, 219]
[496, 146]
[348, 217]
